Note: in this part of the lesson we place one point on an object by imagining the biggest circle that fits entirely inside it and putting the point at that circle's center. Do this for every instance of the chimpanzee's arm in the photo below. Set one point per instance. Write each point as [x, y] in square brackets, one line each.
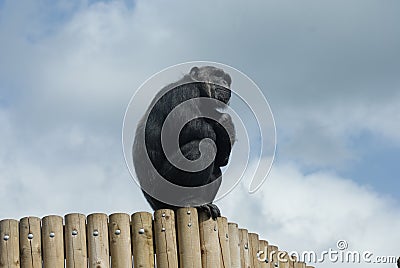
[223, 141]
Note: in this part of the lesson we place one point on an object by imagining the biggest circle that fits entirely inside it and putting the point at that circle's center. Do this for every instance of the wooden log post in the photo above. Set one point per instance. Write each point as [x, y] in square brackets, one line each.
[97, 236]
[292, 260]
[9, 244]
[263, 254]
[188, 238]
[53, 242]
[283, 259]
[223, 236]
[142, 239]
[195, 241]
[75, 240]
[244, 248]
[253, 250]
[209, 241]
[120, 240]
[30, 242]
[234, 245]
[273, 256]
[165, 239]
[297, 263]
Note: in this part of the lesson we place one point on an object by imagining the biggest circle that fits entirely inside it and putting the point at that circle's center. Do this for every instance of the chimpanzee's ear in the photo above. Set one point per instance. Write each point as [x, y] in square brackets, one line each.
[194, 72]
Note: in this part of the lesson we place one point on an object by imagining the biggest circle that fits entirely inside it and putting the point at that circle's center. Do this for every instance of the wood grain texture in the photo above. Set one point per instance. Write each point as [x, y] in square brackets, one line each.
[9, 244]
[234, 245]
[210, 248]
[30, 243]
[119, 233]
[75, 240]
[53, 242]
[165, 239]
[97, 237]
[188, 238]
[142, 240]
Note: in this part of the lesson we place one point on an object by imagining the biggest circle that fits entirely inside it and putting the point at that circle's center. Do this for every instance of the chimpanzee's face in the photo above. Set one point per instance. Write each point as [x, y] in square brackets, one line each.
[218, 82]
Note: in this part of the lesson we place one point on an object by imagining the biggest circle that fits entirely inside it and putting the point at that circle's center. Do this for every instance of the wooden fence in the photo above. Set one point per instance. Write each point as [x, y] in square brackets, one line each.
[183, 240]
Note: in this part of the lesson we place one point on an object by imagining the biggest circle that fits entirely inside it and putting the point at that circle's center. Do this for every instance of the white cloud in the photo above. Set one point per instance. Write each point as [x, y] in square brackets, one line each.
[69, 169]
[300, 213]
[322, 134]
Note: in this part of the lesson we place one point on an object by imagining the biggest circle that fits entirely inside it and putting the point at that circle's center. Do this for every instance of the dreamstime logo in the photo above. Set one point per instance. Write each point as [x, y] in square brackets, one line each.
[341, 254]
[342, 244]
[255, 138]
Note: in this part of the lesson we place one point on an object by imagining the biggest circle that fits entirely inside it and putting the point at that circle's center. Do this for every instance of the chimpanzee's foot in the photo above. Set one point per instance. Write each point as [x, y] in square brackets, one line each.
[211, 210]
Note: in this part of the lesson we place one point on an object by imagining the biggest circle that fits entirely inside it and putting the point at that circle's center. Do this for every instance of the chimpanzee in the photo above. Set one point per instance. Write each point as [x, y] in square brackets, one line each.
[205, 91]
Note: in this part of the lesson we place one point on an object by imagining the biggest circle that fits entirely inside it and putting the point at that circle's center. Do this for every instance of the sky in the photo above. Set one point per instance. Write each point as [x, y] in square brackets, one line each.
[329, 69]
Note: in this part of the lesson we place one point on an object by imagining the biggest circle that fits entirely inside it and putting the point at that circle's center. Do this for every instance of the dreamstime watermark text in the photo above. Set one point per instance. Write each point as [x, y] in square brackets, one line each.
[340, 254]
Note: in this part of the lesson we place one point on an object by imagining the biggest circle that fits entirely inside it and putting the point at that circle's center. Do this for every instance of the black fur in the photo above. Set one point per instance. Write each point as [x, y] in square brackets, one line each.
[209, 82]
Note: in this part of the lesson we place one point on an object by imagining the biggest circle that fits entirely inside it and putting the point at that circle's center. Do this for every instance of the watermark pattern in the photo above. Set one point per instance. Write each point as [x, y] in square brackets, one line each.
[340, 254]
[342, 244]
[254, 132]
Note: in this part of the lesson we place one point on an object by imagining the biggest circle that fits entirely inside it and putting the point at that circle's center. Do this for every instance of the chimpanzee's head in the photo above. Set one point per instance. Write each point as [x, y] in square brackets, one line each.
[217, 82]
